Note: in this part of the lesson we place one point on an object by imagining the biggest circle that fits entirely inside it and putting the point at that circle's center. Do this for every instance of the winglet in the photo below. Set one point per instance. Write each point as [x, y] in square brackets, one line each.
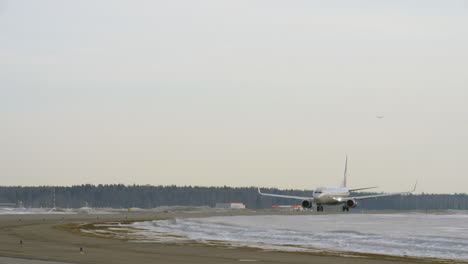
[259, 192]
[414, 188]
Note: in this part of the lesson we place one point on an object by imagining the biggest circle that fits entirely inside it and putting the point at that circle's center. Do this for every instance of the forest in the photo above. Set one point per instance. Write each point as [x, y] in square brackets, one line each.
[147, 196]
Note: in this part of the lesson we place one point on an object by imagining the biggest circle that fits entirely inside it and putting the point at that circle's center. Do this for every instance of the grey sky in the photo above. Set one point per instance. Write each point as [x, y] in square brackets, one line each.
[238, 93]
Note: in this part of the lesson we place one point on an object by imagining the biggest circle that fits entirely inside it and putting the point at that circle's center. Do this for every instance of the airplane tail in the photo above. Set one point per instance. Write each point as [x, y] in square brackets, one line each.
[345, 174]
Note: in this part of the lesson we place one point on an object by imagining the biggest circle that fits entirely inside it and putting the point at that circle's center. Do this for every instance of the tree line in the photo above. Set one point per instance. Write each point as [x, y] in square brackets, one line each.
[147, 196]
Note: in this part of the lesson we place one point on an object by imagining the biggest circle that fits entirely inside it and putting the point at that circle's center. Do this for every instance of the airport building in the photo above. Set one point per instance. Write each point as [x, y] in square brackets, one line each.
[7, 205]
[286, 206]
[230, 205]
[290, 207]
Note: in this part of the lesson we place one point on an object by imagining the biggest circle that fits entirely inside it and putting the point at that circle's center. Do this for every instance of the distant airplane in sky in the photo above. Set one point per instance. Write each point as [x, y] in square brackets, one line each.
[380, 116]
[334, 195]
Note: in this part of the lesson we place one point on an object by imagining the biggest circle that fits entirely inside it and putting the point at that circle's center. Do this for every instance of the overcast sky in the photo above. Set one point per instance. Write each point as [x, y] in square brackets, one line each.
[237, 93]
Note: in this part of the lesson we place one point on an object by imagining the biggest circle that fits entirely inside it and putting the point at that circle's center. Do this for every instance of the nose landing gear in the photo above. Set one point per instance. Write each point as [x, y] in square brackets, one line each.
[319, 208]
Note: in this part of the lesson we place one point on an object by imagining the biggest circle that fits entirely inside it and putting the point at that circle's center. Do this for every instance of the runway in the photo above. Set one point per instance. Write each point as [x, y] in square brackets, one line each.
[4, 260]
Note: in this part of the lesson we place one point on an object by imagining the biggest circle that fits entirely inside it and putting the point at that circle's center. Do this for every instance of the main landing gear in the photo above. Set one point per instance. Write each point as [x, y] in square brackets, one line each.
[345, 208]
[319, 208]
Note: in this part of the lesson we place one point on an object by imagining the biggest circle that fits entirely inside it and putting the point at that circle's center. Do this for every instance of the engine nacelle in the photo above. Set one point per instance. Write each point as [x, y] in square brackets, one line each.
[306, 204]
[351, 203]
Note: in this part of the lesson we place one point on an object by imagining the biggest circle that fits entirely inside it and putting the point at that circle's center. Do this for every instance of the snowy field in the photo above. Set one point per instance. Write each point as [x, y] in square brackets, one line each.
[406, 234]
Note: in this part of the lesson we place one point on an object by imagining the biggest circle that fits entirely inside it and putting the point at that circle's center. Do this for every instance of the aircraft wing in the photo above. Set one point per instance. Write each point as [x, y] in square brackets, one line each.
[360, 189]
[284, 196]
[375, 196]
[381, 195]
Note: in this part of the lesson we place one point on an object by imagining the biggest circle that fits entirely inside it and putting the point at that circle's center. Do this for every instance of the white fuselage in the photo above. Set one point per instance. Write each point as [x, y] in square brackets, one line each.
[330, 195]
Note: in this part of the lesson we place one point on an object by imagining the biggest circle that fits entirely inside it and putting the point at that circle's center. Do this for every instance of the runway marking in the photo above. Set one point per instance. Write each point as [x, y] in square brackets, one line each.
[248, 260]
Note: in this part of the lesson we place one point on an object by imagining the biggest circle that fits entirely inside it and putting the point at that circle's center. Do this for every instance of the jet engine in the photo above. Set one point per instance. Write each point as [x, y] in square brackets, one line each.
[351, 203]
[307, 204]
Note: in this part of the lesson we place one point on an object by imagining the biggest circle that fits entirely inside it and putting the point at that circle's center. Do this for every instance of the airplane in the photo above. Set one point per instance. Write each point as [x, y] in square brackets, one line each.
[335, 195]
